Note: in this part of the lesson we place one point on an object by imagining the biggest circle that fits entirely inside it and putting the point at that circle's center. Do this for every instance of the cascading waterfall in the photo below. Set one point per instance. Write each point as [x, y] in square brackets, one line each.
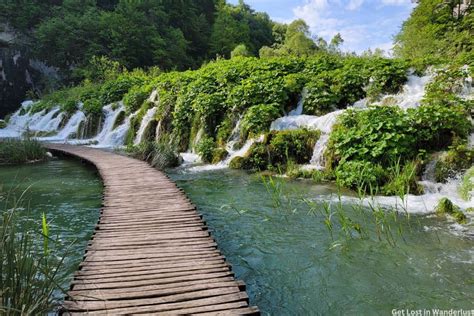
[47, 123]
[149, 116]
[412, 93]
[111, 114]
[70, 130]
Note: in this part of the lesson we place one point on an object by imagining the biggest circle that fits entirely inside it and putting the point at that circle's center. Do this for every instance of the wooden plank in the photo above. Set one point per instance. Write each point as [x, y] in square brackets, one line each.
[175, 308]
[151, 251]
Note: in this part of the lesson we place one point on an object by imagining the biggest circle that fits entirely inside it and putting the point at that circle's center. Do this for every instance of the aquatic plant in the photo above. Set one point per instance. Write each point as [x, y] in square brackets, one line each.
[16, 151]
[29, 274]
[467, 185]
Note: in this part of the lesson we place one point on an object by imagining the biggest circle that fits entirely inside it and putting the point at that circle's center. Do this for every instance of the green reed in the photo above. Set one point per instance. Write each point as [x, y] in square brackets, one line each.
[30, 274]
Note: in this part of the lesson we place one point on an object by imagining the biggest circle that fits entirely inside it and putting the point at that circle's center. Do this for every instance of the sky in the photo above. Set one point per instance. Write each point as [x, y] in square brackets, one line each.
[362, 24]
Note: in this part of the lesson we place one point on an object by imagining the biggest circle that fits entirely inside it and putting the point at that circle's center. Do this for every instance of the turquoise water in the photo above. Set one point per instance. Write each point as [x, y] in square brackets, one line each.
[280, 247]
[292, 266]
[67, 191]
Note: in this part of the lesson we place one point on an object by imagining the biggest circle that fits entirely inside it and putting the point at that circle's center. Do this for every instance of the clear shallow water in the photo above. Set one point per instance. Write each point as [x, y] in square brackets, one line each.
[68, 192]
[292, 266]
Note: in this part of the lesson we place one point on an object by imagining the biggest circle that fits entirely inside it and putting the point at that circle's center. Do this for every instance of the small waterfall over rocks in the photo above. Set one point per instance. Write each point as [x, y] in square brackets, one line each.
[70, 130]
[149, 116]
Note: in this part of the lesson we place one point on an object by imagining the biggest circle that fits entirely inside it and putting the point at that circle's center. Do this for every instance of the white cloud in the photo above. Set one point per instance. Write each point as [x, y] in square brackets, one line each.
[354, 4]
[362, 24]
[396, 2]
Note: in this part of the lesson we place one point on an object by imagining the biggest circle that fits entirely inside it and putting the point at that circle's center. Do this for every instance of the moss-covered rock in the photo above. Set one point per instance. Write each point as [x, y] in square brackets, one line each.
[237, 163]
[446, 207]
[3, 124]
[218, 155]
[120, 119]
[453, 161]
[278, 149]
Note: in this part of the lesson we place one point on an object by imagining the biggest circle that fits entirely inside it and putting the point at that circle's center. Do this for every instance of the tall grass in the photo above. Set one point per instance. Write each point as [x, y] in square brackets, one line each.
[30, 275]
[359, 218]
[16, 151]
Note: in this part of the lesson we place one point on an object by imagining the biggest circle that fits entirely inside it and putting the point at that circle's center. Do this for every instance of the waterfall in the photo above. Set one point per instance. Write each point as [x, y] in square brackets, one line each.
[70, 130]
[317, 159]
[299, 107]
[412, 93]
[116, 137]
[234, 137]
[110, 116]
[232, 154]
[149, 116]
[322, 123]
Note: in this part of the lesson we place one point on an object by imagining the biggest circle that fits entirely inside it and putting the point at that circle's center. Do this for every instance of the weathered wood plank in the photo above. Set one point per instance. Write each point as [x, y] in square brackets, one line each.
[151, 251]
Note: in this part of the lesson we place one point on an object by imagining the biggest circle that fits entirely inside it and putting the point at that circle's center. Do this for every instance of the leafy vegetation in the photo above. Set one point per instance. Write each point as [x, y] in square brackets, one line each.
[160, 155]
[373, 140]
[278, 150]
[15, 151]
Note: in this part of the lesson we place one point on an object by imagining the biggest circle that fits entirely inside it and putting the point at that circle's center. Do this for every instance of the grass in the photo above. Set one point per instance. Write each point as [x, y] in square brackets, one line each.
[29, 271]
[17, 151]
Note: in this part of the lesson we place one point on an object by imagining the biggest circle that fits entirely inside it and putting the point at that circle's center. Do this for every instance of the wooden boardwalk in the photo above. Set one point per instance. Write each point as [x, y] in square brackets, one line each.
[151, 252]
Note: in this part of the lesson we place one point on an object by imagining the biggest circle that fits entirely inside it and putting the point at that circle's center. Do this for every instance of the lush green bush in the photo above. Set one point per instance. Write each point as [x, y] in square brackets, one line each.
[257, 119]
[320, 99]
[92, 106]
[114, 90]
[295, 144]
[436, 125]
[160, 155]
[380, 135]
[135, 97]
[278, 149]
[205, 149]
[15, 151]
[387, 134]
[363, 176]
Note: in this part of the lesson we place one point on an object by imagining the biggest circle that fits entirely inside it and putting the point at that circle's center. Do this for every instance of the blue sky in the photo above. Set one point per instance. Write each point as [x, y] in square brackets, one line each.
[363, 24]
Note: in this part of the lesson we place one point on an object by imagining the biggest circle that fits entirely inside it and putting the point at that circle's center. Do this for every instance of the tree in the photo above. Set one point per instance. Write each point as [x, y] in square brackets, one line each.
[336, 42]
[240, 50]
[436, 29]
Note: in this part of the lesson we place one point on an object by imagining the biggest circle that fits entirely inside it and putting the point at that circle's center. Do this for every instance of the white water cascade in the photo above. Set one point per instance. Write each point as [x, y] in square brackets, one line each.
[150, 114]
[70, 130]
[110, 136]
[412, 92]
